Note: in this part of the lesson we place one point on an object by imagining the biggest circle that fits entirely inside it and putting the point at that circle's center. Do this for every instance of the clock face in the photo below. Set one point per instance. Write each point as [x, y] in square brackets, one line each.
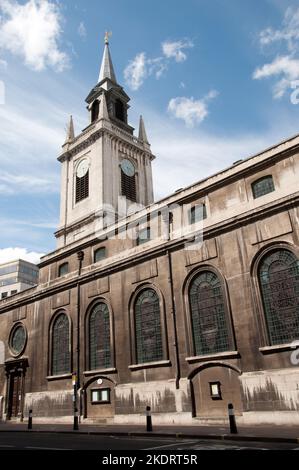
[82, 168]
[128, 167]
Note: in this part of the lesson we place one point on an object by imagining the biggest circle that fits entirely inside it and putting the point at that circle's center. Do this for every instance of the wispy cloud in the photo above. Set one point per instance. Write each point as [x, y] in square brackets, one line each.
[142, 67]
[16, 183]
[15, 253]
[190, 110]
[176, 49]
[32, 31]
[289, 32]
[285, 65]
[136, 71]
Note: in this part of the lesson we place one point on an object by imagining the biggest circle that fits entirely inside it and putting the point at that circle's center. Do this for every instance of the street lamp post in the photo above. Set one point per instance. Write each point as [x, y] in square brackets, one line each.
[76, 417]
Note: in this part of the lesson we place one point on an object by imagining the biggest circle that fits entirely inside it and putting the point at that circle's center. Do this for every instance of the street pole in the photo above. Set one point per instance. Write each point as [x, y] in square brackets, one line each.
[76, 420]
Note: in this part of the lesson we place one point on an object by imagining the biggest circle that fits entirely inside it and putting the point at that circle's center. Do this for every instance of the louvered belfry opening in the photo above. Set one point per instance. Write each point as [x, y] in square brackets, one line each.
[128, 186]
[82, 187]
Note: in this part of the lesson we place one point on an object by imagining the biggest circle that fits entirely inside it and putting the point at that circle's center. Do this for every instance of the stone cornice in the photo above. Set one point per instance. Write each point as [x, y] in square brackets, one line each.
[83, 141]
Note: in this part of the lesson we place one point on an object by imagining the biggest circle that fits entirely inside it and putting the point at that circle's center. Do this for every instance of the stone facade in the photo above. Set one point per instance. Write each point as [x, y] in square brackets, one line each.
[229, 244]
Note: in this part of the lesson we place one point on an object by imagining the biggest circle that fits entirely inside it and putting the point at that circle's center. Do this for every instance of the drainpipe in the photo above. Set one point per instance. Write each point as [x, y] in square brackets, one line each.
[80, 256]
[173, 312]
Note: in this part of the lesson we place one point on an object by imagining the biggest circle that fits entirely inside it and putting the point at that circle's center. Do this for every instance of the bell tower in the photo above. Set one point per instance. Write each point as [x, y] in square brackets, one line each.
[106, 170]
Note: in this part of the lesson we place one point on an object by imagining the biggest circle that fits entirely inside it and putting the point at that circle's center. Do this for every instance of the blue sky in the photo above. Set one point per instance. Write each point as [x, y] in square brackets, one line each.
[212, 78]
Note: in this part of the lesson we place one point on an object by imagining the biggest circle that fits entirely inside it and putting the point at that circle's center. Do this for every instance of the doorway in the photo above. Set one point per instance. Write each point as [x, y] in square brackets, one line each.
[15, 373]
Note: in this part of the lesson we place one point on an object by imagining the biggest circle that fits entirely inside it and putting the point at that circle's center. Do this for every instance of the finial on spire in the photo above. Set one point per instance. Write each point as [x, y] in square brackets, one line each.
[107, 70]
[70, 133]
[108, 35]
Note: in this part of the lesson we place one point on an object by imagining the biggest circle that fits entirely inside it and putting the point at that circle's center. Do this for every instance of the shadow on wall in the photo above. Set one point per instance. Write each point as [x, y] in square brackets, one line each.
[267, 398]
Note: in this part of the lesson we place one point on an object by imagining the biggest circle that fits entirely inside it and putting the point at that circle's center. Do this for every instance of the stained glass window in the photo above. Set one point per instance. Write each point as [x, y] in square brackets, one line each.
[18, 339]
[61, 346]
[263, 186]
[99, 337]
[279, 283]
[208, 318]
[148, 327]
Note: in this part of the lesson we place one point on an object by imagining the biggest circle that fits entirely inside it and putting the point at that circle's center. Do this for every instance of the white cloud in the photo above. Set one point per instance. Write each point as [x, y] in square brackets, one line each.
[12, 254]
[190, 110]
[142, 67]
[288, 33]
[32, 31]
[136, 71]
[82, 30]
[285, 67]
[175, 49]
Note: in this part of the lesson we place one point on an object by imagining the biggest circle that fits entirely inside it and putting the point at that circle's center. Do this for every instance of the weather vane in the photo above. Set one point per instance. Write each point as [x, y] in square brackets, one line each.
[108, 35]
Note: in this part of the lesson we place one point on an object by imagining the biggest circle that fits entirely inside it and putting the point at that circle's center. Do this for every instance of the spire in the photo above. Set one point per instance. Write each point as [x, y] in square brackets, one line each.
[142, 134]
[70, 133]
[103, 111]
[107, 70]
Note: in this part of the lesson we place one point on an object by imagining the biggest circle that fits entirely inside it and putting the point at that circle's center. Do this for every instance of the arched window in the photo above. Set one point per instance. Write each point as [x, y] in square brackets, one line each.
[148, 332]
[63, 269]
[279, 283]
[208, 315]
[119, 110]
[99, 337]
[61, 345]
[99, 254]
[263, 186]
[95, 111]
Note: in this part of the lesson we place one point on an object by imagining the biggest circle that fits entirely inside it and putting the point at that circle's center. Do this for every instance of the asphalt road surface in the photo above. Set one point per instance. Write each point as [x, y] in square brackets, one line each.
[47, 441]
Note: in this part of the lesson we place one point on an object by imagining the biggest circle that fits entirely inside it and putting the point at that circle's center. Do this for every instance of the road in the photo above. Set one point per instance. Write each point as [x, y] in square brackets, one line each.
[52, 441]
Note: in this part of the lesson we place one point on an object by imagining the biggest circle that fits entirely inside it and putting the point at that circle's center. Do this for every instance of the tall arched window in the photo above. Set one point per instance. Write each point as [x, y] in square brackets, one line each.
[148, 332]
[99, 337]
[210, 328]
[95, 111]
[119, 110]
[61, 345]
[279, 283]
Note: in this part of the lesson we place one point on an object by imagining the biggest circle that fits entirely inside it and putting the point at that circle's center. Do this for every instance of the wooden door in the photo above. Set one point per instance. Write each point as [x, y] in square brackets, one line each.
[15, 395]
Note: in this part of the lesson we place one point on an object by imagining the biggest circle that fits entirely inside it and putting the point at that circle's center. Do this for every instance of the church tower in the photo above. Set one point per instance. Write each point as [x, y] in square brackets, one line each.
[106, 171]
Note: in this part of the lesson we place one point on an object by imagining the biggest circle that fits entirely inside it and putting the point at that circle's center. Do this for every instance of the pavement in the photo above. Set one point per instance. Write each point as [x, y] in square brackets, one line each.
[259, 433]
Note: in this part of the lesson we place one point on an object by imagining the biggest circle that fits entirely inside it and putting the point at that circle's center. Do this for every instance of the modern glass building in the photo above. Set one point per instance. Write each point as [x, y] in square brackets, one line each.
[17, 276]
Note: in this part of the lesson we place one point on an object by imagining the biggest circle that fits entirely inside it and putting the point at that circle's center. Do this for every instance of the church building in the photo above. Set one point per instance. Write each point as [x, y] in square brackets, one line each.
[185, 304]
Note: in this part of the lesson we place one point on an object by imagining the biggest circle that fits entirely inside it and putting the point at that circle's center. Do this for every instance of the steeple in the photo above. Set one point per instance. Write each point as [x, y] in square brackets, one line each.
[117, 101]
[107, 70]
[70, 133]
[142, 134]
